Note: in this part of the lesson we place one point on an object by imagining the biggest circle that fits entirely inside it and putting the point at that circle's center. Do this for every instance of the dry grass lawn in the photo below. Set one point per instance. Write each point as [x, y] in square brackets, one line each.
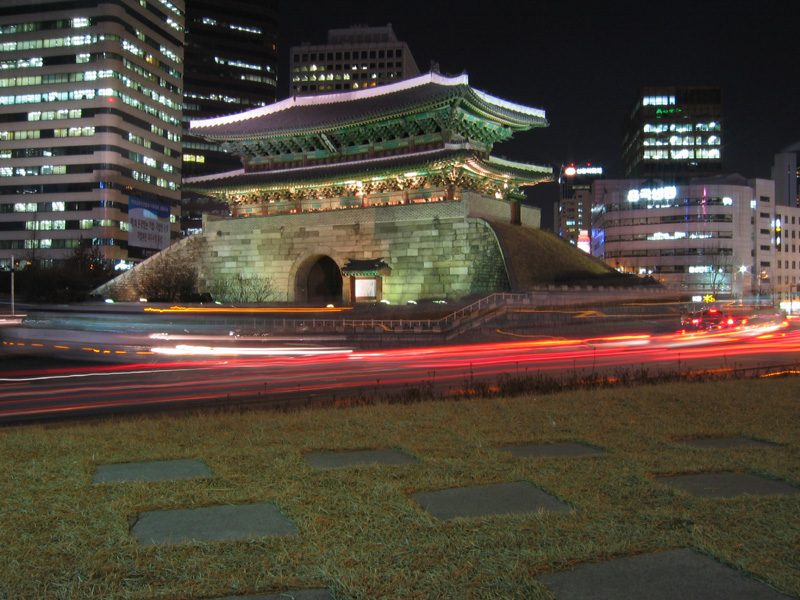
[362, 535]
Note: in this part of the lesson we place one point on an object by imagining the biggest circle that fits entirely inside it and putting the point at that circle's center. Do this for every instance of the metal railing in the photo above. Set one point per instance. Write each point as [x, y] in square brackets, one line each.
[550, 296]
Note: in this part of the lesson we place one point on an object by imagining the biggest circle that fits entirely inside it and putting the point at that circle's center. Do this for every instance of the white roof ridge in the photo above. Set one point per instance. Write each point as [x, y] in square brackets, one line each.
[332, 98]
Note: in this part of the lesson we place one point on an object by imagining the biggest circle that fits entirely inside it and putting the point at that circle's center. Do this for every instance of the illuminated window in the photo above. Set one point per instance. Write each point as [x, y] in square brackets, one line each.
[709, 154]
[658, 100]
[656, 154]
[650, 128]
[681, 154]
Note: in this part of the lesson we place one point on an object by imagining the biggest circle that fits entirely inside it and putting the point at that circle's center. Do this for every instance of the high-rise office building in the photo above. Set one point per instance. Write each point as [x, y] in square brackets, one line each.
[353, 59]
[573, 211]
[231, 65]
[90, 127]
[786, 175]
[674, 133]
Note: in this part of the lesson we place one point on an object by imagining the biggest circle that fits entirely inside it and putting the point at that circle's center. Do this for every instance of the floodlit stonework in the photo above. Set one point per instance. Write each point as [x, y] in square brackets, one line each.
[400, 177]
[434, 250]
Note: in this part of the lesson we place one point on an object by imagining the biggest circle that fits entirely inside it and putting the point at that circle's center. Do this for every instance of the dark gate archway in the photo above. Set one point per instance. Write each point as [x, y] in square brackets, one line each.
[324, 282]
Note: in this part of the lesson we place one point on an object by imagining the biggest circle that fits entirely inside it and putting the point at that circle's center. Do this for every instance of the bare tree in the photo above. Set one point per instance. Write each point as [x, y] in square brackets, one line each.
[167, 278]
[720, 261]
[243, 289]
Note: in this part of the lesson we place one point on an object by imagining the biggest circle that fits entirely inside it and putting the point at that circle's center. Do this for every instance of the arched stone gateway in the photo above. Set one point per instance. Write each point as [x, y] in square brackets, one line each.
[318, 280]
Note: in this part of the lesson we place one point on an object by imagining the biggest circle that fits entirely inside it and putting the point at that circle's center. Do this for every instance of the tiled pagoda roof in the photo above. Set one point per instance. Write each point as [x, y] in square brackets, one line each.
[371, 267]
[310, 115]
[332, 174]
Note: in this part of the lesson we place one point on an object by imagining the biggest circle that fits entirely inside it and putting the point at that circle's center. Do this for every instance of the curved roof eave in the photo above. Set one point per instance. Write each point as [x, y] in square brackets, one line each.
[312, 114]
[523, 173]
[313, 174]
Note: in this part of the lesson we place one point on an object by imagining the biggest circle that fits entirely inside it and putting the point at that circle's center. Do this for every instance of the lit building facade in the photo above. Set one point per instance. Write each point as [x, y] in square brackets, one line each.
[573, 211]
[353, 59]
[230, 66]
[674, 133]
[90, 127]
[724, 236]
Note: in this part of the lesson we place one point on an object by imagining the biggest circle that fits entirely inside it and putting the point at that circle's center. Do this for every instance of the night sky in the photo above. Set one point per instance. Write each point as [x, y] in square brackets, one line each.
[584, 62]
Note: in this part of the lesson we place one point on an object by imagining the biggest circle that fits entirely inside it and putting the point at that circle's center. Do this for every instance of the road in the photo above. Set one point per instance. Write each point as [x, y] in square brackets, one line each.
[175, 371]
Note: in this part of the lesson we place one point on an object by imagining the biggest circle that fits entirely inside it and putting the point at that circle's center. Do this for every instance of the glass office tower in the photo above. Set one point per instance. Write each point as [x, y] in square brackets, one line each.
[674, 133]
[90, 127]
[231, 65]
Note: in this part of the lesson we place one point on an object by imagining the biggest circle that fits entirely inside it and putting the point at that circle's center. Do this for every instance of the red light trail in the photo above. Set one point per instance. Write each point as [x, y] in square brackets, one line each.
[186, 376]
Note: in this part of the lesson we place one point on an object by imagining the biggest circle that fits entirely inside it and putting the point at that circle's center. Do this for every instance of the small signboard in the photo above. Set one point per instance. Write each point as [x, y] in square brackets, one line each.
[149, 224]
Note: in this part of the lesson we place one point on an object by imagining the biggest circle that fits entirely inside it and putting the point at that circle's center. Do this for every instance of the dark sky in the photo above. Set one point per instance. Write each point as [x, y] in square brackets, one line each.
[584, 62]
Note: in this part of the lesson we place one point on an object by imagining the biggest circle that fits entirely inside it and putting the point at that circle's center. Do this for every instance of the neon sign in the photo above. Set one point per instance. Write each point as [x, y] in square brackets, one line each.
[667, 111]
[571, 170]
[589, 170]
[662, 193]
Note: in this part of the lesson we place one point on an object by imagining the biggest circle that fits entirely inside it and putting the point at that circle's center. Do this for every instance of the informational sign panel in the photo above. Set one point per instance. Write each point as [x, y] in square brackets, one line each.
[366, 288]
[149, 224]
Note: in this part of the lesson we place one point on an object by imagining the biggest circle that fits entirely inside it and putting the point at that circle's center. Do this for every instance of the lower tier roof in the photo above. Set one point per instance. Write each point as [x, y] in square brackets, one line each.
[402, 167]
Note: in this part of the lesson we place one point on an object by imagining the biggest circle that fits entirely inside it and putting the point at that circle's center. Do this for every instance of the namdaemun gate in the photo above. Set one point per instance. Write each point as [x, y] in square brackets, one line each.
[382, 194]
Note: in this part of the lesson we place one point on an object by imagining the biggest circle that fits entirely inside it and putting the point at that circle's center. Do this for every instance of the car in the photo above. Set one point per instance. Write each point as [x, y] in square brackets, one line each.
[709, 319]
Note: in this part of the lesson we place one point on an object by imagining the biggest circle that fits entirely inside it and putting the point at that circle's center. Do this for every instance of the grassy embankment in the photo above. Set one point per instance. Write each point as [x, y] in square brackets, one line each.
[360, 532]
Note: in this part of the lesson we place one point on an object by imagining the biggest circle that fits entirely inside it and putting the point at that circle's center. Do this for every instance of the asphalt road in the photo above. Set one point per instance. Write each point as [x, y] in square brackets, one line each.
[129, 372]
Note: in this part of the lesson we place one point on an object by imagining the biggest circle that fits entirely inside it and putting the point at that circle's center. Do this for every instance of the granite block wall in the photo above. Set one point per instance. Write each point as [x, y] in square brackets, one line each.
[435, 251]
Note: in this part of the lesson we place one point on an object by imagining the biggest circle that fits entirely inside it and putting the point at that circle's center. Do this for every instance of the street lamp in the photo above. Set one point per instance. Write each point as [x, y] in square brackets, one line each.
[742, 270]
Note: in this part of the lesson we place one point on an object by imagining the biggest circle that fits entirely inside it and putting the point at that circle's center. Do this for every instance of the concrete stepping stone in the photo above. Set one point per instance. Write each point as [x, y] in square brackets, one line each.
[728, 485]
[213, 523]
[318, 594]
[162, 470]
[674, 575]
[334, 460]
[725, 443]
[481, 501]
[564, 449]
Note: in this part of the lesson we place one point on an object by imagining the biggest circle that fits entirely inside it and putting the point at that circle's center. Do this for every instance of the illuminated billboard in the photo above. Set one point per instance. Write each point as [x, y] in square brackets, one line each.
[149, 224]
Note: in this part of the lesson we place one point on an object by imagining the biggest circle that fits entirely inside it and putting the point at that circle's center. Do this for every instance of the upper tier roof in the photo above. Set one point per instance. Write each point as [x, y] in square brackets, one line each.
[309, 114]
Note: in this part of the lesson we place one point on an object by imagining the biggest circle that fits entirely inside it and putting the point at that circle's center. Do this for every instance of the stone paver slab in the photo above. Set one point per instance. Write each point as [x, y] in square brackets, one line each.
[162, 470]
[724, 443]
[728, 485]
[333, 460]
[318, 594]
[213, 523]
[673, 575]
[565, 449]
[480, 501]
